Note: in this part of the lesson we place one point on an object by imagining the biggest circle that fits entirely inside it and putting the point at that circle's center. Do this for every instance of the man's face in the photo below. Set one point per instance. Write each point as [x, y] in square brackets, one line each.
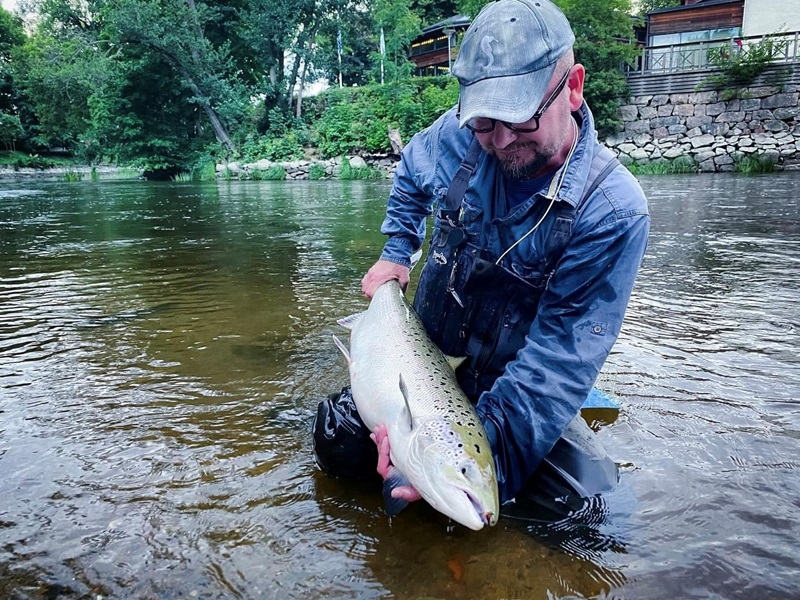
[526, 155]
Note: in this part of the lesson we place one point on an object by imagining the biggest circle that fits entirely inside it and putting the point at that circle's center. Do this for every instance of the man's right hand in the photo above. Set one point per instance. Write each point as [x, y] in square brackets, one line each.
[381, 272]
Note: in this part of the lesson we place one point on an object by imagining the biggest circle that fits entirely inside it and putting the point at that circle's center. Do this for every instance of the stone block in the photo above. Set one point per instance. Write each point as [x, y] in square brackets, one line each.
[648, 112]
[784, 100]
[639, 154]
[637, 127]
[659, 99]
[677, 129]
[660, 132]
[715, 109]
[750, 104]
[786, 114]
[733, 105]
[703, 98]
[763, 91]
[642, 100]
[628, 112]
[704, 155]
[702, 140]
[707, 166]
[665, 110]
[717, 128]
[615, 139]
[695, 122]
[679, 98]
[673, 152]
[730, 117]
[684, 110]
[665, 121]
[745, 141]
[642, 138]
[627, 148]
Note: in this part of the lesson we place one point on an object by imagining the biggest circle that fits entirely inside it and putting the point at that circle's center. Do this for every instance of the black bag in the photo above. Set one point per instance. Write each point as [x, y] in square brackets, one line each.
[342, 446]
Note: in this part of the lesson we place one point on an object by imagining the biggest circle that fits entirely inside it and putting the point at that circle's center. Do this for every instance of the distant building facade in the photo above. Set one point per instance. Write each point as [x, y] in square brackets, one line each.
[434, 50]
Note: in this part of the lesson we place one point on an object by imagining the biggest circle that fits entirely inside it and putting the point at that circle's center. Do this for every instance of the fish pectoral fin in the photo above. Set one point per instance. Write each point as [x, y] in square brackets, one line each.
[395, 480]
[340, 345]
[350, 322]
[406, 416]
[455, 361]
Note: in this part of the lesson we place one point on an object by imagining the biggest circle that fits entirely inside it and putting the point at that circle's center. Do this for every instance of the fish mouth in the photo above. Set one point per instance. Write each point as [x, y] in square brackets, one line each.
[486, 517]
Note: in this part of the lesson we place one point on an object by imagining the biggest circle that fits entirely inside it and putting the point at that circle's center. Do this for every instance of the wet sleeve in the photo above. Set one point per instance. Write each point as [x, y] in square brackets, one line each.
[409, 203]
[579, 319]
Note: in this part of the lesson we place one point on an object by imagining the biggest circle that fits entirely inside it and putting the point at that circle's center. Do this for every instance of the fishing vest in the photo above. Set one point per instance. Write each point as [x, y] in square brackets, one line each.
[476, 308]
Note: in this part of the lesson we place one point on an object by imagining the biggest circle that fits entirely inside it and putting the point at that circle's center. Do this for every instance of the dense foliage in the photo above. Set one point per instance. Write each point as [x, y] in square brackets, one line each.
[168, 84]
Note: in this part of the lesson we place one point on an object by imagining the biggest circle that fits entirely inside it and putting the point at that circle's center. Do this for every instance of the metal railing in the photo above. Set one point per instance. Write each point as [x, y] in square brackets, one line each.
[697, 56]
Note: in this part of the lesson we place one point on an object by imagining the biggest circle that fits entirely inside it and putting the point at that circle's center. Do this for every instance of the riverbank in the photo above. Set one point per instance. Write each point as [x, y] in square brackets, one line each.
[71, 172]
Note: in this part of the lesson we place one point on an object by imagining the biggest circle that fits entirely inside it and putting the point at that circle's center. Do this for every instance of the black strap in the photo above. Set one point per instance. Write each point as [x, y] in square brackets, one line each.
[458, 187]
[602, 164]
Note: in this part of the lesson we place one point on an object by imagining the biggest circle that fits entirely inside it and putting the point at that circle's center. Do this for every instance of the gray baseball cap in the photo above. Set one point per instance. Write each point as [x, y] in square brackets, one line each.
[507, 58]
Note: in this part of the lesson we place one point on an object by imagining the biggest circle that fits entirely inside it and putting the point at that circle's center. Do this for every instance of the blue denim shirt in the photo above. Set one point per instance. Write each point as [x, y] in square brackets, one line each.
[580, 312]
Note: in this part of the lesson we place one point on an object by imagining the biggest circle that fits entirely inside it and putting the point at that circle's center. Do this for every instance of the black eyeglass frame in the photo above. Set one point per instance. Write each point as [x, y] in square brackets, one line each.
[535, 118]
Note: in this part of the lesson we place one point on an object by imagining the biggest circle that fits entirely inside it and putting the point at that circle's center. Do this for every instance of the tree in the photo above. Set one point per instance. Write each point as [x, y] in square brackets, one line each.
[646, 6]
[11, 36]
[603, 42]
[175, 30]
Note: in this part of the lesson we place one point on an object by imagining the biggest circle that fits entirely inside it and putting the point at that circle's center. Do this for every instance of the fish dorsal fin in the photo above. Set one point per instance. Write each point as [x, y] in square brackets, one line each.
[350, 322]
[407, 416]
[455, 361]
[340, 345]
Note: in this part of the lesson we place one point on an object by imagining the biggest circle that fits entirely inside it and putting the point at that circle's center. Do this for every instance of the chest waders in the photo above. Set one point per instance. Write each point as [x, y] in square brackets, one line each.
[471, 305]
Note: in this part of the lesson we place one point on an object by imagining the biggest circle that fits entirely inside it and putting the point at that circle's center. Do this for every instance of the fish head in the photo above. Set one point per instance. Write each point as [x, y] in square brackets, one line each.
[455, 471]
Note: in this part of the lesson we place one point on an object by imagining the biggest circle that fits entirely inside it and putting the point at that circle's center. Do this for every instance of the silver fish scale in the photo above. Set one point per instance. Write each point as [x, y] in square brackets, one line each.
[430, 379]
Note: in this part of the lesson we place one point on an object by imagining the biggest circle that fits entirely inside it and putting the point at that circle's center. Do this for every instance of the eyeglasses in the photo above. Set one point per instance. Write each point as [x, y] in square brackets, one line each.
[485, 125]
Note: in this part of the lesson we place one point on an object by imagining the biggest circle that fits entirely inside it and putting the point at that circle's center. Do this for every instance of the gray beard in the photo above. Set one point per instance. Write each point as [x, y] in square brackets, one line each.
[514, 170]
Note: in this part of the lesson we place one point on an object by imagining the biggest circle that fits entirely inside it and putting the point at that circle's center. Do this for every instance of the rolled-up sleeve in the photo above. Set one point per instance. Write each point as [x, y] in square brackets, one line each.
[578, 321]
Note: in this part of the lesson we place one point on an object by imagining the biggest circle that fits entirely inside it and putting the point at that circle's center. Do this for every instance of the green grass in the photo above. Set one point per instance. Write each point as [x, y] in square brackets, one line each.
[682, 164]
[349, 172]
[753, 163]
[273, 173]
[316, 171]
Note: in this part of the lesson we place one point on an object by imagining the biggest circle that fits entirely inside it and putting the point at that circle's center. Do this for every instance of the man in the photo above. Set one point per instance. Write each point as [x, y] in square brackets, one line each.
[537, 240]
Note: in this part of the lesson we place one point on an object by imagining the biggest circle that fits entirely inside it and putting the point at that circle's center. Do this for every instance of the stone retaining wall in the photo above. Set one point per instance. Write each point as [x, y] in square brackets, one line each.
[713, 132]
[385, 164]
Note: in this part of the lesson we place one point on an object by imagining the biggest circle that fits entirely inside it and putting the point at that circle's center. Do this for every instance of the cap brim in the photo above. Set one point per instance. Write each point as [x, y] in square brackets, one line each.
[512, 99]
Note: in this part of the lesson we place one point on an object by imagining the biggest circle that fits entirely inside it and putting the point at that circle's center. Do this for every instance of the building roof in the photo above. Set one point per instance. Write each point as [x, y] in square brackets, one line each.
[696, 5]
[456, 21]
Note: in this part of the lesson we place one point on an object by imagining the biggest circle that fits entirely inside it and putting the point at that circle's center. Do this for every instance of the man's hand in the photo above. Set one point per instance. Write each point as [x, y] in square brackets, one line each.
[385, 468]
[381, 272]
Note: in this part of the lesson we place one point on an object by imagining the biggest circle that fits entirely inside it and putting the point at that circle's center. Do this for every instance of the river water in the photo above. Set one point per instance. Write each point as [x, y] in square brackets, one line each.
[163, 348]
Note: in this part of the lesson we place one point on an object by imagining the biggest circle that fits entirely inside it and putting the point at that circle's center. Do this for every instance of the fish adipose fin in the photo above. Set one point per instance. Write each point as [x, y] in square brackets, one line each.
[340, 345]
[350, 322]
[394, 480]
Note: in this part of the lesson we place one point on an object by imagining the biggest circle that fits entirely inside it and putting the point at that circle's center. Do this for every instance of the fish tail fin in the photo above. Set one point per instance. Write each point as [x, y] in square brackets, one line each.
[394, 480]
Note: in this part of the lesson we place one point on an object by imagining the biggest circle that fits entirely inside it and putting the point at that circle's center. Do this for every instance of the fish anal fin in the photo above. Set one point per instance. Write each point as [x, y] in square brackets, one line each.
[340, 345]
[350, 321]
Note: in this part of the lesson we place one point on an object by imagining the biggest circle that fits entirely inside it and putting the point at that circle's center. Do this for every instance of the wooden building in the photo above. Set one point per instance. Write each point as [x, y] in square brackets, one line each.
[429, 51]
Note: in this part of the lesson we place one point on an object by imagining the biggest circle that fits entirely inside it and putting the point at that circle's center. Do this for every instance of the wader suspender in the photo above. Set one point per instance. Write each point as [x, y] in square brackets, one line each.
[602, 164]
[449, 213]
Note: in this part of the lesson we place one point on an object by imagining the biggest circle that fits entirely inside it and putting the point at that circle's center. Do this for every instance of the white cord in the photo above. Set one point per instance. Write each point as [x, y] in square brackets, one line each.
[561, 174]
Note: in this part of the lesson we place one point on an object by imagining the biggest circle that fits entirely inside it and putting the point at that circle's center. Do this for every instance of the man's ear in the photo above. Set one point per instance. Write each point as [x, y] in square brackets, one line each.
[575, 85]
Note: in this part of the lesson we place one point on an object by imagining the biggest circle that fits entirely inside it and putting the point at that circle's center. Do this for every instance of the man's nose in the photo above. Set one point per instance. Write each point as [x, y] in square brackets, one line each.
[502, 136]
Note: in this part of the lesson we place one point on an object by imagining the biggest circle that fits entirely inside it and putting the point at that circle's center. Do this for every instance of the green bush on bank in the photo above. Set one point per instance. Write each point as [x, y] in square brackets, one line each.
[682, 164]
[354, 120]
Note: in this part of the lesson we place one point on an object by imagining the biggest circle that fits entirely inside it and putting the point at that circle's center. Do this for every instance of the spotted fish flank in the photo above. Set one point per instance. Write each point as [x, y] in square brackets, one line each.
[486, 47]
[402, 380]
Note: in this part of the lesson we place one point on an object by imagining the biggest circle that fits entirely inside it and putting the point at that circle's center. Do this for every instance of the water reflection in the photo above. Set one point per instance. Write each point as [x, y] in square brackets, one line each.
[163, 347]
